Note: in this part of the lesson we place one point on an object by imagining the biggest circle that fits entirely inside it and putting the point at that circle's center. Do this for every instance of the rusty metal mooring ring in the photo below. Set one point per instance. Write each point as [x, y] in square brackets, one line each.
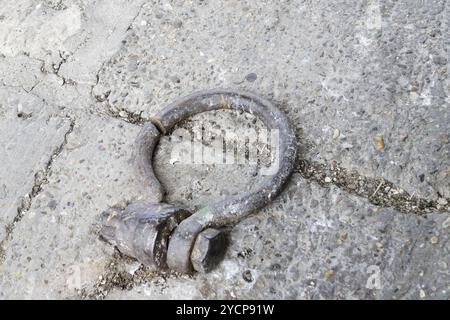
[162, 235]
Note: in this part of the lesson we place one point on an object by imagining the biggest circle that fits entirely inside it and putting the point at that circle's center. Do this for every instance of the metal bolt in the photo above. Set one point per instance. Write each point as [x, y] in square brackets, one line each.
[142, 229]
[209, 249]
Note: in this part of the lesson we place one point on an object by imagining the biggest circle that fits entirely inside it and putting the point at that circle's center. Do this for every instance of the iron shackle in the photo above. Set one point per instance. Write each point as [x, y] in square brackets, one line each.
[163, 235]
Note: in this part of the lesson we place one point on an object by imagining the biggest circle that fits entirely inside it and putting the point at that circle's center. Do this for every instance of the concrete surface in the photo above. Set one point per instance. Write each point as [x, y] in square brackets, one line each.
[316, 243]
[364, 82]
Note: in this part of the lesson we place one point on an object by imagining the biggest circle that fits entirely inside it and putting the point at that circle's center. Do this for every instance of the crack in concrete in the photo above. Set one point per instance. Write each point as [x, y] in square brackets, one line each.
[378, 191]
[40, 178]
[127, 116]
[3, 84]
[130, 26]
[103, 97]
[57, 68]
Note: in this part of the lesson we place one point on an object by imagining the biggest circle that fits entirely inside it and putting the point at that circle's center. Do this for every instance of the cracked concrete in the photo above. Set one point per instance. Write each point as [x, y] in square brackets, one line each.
[61, 218]
[40, 178]
[365, 84]
[343, 81]
[329, 245]
[25, 122]
[377, 191]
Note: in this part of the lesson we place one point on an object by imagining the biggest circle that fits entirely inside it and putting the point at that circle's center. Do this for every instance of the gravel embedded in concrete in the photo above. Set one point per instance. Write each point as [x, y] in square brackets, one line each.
[364, 82]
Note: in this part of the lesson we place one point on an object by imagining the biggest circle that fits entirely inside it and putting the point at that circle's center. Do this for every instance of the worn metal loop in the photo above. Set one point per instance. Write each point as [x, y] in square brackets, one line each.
[210, 218]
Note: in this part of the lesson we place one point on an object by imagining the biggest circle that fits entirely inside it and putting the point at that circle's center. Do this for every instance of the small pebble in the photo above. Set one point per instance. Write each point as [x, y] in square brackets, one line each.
[403, 136]
[422, 294]
[177, 23]
[251, 77]
[342, 238]
[336, 133]
[442, 201]
[434, 239]
[247, 275]
[327, 179]
[133, 268]
[100, 97]
[123, 114]
[329, 273]
[52, 204]
[379, 142]
[344, 219]
[422, 177]
[347, 145]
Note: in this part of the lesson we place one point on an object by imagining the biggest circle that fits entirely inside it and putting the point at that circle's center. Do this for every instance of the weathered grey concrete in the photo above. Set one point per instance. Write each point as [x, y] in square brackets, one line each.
[318, 243]
[25, 121]
[362, 68]
[54, 249]
[364, 82]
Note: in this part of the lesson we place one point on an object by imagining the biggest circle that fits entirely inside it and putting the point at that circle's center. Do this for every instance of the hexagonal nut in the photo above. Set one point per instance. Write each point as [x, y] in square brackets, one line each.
[209, 249]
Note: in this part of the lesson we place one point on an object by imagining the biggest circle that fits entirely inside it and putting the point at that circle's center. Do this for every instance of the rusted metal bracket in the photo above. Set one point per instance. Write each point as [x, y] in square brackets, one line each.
[163, 235]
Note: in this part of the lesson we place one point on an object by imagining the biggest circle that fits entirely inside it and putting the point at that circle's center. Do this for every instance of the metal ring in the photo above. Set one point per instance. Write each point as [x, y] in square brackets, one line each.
[232, 209]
